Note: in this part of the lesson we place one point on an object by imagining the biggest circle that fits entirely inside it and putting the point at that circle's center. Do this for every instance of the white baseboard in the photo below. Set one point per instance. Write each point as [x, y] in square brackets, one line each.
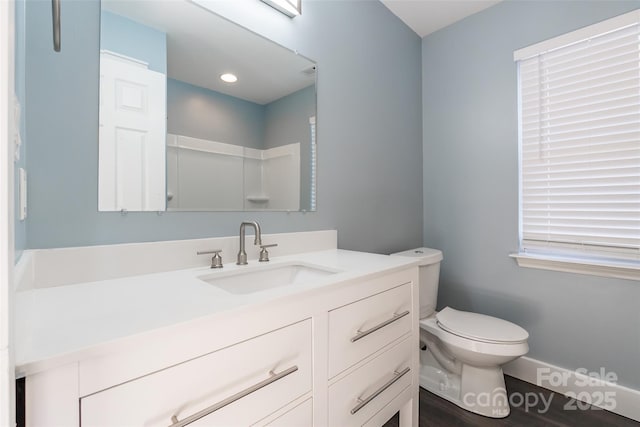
[599, 389]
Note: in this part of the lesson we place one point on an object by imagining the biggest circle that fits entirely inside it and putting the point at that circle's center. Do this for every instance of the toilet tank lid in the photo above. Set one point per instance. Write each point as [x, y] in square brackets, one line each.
[480, 327]
[427, 256]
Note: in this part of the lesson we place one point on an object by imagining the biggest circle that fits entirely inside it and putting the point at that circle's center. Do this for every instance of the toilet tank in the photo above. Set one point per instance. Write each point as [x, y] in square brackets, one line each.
[429, 271]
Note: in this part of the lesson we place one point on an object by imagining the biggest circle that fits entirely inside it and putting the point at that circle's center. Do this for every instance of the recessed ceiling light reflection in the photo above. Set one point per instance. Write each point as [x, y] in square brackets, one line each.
[229, 78]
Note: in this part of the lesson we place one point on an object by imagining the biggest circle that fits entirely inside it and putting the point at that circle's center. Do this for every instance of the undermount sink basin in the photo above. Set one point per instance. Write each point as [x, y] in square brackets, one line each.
[264, 278]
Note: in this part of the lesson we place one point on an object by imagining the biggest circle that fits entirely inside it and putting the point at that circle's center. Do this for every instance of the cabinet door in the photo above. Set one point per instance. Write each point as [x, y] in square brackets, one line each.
[358, 396]
[364, 327]
[244, 383]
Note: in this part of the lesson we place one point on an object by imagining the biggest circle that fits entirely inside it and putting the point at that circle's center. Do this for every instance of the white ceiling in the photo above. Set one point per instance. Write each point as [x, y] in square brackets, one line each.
[426, 16]
[202, 45]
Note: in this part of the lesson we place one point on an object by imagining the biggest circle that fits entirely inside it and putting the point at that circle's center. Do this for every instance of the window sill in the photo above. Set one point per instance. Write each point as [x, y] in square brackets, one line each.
[612, 269]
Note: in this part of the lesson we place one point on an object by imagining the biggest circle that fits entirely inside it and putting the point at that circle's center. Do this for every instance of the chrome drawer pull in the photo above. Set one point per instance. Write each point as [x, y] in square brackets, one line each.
[229, 400]
[363, 402]
[362, 334]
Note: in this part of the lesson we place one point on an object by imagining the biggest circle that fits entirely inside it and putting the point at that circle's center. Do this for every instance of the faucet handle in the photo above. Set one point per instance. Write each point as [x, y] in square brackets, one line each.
[216, 260]
[264, 254]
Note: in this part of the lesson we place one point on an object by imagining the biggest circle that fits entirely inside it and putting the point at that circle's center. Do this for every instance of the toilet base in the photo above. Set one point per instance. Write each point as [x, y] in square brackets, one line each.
[478, 390]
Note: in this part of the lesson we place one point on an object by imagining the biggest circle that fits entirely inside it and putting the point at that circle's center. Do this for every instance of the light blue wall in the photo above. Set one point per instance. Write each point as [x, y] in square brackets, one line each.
[369, 131]
[202, 113]
[287, 122]
[133, 39]
[62, 123]
[287, 118]
[471, 192]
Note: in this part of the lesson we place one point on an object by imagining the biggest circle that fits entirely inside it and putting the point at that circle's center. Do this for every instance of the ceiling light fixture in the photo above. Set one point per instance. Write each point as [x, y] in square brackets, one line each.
[291, 8]
[228, 78]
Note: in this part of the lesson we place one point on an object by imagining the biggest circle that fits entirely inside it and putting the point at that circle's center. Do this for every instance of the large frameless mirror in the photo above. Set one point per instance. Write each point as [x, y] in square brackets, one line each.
[174, 135]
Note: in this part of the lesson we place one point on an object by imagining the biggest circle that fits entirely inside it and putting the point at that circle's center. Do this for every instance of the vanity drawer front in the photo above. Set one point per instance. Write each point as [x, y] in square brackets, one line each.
[363, 327]
[300, 416]
[207, 382]
[358, 396]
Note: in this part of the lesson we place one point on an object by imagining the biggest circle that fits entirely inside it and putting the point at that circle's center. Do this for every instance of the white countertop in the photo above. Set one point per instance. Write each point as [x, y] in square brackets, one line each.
[71, 320]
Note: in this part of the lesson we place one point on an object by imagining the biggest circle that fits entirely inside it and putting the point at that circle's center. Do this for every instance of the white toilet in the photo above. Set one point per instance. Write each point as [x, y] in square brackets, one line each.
[461, 352]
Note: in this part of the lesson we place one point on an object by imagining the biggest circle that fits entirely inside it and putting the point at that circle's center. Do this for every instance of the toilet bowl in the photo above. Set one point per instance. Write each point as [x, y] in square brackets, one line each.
[462, 352]
[465, 362]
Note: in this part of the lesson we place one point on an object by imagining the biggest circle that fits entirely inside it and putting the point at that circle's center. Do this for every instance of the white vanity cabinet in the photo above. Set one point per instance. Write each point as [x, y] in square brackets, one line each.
[341, 354]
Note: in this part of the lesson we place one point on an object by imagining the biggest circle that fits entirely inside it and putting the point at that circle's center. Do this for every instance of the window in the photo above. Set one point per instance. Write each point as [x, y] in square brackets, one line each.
[579, 131]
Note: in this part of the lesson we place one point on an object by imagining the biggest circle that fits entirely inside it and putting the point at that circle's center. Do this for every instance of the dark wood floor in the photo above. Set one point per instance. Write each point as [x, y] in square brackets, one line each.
[438, 412]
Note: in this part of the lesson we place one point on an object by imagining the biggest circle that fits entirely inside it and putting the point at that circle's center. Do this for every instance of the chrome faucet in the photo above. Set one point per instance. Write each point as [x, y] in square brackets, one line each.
[242, 255]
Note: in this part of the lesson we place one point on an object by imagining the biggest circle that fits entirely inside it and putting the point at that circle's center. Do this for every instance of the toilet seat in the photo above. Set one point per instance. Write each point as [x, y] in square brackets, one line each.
[480, 327]
[472, 346]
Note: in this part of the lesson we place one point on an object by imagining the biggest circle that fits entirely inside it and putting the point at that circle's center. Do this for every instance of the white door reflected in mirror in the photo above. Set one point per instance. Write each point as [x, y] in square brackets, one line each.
[131, 135]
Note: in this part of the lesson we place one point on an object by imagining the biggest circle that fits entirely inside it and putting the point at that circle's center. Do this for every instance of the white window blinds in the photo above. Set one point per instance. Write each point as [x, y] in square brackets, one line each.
[579, 105]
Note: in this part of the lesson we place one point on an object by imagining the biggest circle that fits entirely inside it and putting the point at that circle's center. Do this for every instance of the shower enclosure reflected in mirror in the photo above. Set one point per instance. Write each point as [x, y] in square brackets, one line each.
[174, 136]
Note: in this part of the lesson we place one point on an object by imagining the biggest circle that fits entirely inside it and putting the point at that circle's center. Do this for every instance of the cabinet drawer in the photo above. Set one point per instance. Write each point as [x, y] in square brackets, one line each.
[360, 395]
[363, 327]
[300, 416]
[212, 381]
